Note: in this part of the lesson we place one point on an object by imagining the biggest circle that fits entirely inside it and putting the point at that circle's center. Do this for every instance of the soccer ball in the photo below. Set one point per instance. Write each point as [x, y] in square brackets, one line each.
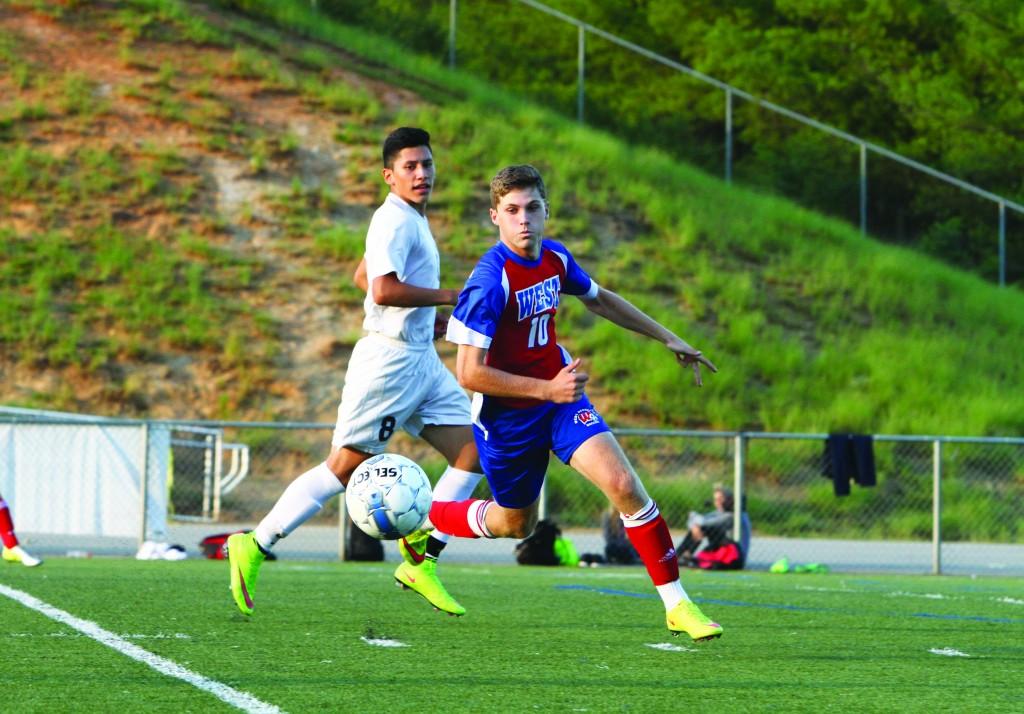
[388, 496]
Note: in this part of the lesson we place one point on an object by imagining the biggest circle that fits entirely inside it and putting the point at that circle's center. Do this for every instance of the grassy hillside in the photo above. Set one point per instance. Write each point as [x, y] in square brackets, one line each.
[186, 192]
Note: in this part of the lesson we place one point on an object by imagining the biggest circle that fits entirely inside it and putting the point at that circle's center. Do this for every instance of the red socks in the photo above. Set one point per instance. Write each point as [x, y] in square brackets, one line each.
[653, 542]
[7, 526]
[646, 530]
[464, 519]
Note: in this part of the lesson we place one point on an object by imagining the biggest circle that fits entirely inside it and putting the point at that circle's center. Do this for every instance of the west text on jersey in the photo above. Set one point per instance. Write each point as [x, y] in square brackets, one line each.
[539, 297]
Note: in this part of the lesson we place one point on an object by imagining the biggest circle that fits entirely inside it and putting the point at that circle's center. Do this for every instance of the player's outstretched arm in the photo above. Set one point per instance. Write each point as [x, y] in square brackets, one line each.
[389, 290]
[473, 374]
[617, 309]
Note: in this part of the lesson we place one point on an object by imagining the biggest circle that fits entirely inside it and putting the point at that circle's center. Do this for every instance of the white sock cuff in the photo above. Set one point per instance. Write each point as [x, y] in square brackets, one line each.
[672, 594]
[456, 484]
[477, 517]
[323, 482]
[645, 515]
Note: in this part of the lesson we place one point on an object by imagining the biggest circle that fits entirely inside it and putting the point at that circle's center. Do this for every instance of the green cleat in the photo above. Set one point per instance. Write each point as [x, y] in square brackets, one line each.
[423, 579]
[413, 547]
[245, 559]
[687, 617]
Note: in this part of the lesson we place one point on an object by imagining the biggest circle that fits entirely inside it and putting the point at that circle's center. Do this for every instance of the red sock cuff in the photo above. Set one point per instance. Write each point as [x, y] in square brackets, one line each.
[653, 542]
[452, 517]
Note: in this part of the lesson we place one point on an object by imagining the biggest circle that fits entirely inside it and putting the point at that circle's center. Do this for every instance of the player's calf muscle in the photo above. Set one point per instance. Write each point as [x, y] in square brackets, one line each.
[511, 522]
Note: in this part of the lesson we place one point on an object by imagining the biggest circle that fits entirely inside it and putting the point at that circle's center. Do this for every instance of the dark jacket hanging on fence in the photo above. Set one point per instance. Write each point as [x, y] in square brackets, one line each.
[849, 456]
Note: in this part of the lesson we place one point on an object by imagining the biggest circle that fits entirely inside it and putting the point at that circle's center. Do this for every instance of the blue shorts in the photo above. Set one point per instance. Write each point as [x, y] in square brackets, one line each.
[515, 444]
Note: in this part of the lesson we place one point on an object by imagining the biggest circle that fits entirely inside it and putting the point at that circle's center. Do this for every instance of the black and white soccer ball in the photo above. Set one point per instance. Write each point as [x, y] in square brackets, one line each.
[388, 496]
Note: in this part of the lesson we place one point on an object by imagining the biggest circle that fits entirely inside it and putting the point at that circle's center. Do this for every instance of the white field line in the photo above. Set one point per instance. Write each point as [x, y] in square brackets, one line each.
[666, 647]
[242, 700]
[382, 642]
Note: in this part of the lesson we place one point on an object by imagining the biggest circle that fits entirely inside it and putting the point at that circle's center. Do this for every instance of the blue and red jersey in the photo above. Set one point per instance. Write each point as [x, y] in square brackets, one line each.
[508, 307]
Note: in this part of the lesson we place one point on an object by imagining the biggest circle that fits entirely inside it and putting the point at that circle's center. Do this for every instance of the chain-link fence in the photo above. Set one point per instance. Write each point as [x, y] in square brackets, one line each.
[938, 503]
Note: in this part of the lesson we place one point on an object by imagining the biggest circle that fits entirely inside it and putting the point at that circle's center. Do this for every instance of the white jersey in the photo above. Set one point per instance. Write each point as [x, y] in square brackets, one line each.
[399, 241]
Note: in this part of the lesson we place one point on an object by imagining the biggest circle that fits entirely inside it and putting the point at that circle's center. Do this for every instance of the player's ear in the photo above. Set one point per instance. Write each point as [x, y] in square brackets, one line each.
[547, 211]
[387, 173]
[494, 216]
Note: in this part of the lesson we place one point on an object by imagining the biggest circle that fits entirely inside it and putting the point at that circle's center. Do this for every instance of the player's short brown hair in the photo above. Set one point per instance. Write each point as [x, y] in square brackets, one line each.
[516, 177]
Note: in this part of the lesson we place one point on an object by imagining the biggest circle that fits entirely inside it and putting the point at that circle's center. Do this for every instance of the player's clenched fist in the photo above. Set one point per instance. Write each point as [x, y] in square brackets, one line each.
[567, 386]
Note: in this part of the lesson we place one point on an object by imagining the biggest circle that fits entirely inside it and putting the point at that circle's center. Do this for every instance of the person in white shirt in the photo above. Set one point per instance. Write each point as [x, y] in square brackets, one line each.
[395, 380]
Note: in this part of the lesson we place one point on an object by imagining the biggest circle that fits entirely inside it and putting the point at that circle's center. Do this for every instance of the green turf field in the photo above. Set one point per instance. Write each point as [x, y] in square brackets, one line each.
[534, 639]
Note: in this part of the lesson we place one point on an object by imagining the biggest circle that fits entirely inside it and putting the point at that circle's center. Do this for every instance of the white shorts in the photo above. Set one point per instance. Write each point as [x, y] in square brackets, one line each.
[391, 385]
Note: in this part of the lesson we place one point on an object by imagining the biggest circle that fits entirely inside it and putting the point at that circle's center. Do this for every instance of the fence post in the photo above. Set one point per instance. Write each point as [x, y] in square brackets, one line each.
[1002, 243]
[451, 33]
[207, 474]
[728, 136]
[144, 485]
[937, 507]
[581, 62]
[739, 448]
[542, 502]
[218, 469]
[863, 189]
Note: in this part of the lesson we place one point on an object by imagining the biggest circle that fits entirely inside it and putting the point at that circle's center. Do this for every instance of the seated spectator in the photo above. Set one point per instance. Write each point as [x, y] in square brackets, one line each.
[617, 548]
[708, 542]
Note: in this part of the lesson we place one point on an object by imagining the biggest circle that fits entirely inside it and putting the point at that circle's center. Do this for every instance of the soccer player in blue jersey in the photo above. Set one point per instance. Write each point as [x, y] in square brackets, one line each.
[529, 392]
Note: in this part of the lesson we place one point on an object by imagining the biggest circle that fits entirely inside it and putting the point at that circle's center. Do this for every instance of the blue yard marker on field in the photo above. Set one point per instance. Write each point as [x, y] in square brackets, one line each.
[794, 608]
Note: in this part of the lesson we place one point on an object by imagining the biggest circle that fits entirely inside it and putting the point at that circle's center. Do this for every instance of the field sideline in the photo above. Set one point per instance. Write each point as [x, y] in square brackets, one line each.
[340, 637]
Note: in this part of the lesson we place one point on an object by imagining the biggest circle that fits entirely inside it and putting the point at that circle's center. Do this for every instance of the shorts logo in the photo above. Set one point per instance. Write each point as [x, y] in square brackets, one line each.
[586, 417]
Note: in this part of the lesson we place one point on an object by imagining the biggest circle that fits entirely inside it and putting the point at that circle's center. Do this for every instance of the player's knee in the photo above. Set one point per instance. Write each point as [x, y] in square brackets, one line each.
[342, 462]
[621, 486]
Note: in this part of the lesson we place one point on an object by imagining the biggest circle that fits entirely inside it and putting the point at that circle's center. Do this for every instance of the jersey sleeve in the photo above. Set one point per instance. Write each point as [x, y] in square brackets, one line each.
[478, 311]
[577, 281]
[388, 244]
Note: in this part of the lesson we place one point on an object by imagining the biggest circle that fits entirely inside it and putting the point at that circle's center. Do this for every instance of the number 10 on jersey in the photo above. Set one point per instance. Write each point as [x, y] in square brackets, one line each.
[539, 330]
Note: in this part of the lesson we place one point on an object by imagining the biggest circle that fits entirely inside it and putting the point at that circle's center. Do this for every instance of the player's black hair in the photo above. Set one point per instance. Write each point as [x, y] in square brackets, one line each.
[519, 176]
[404, 137]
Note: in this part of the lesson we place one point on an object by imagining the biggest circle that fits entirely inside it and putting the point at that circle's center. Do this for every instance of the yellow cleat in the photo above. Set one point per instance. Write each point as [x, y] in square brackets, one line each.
[687, 617]
[423, 580]
[413, 547]
[245, 559]
[17, 554]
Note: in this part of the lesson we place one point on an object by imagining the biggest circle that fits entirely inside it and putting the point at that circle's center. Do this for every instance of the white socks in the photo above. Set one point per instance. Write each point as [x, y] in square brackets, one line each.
[302, 500]
[672, 594]
[454, 485]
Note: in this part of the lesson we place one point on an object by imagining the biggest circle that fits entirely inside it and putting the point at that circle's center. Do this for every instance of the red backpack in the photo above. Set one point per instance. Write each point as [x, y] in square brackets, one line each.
[725, 557]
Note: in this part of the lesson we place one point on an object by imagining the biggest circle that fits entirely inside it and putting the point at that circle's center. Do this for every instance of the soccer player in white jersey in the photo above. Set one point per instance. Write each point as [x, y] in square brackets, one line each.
[395, 380]
[529, 392]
